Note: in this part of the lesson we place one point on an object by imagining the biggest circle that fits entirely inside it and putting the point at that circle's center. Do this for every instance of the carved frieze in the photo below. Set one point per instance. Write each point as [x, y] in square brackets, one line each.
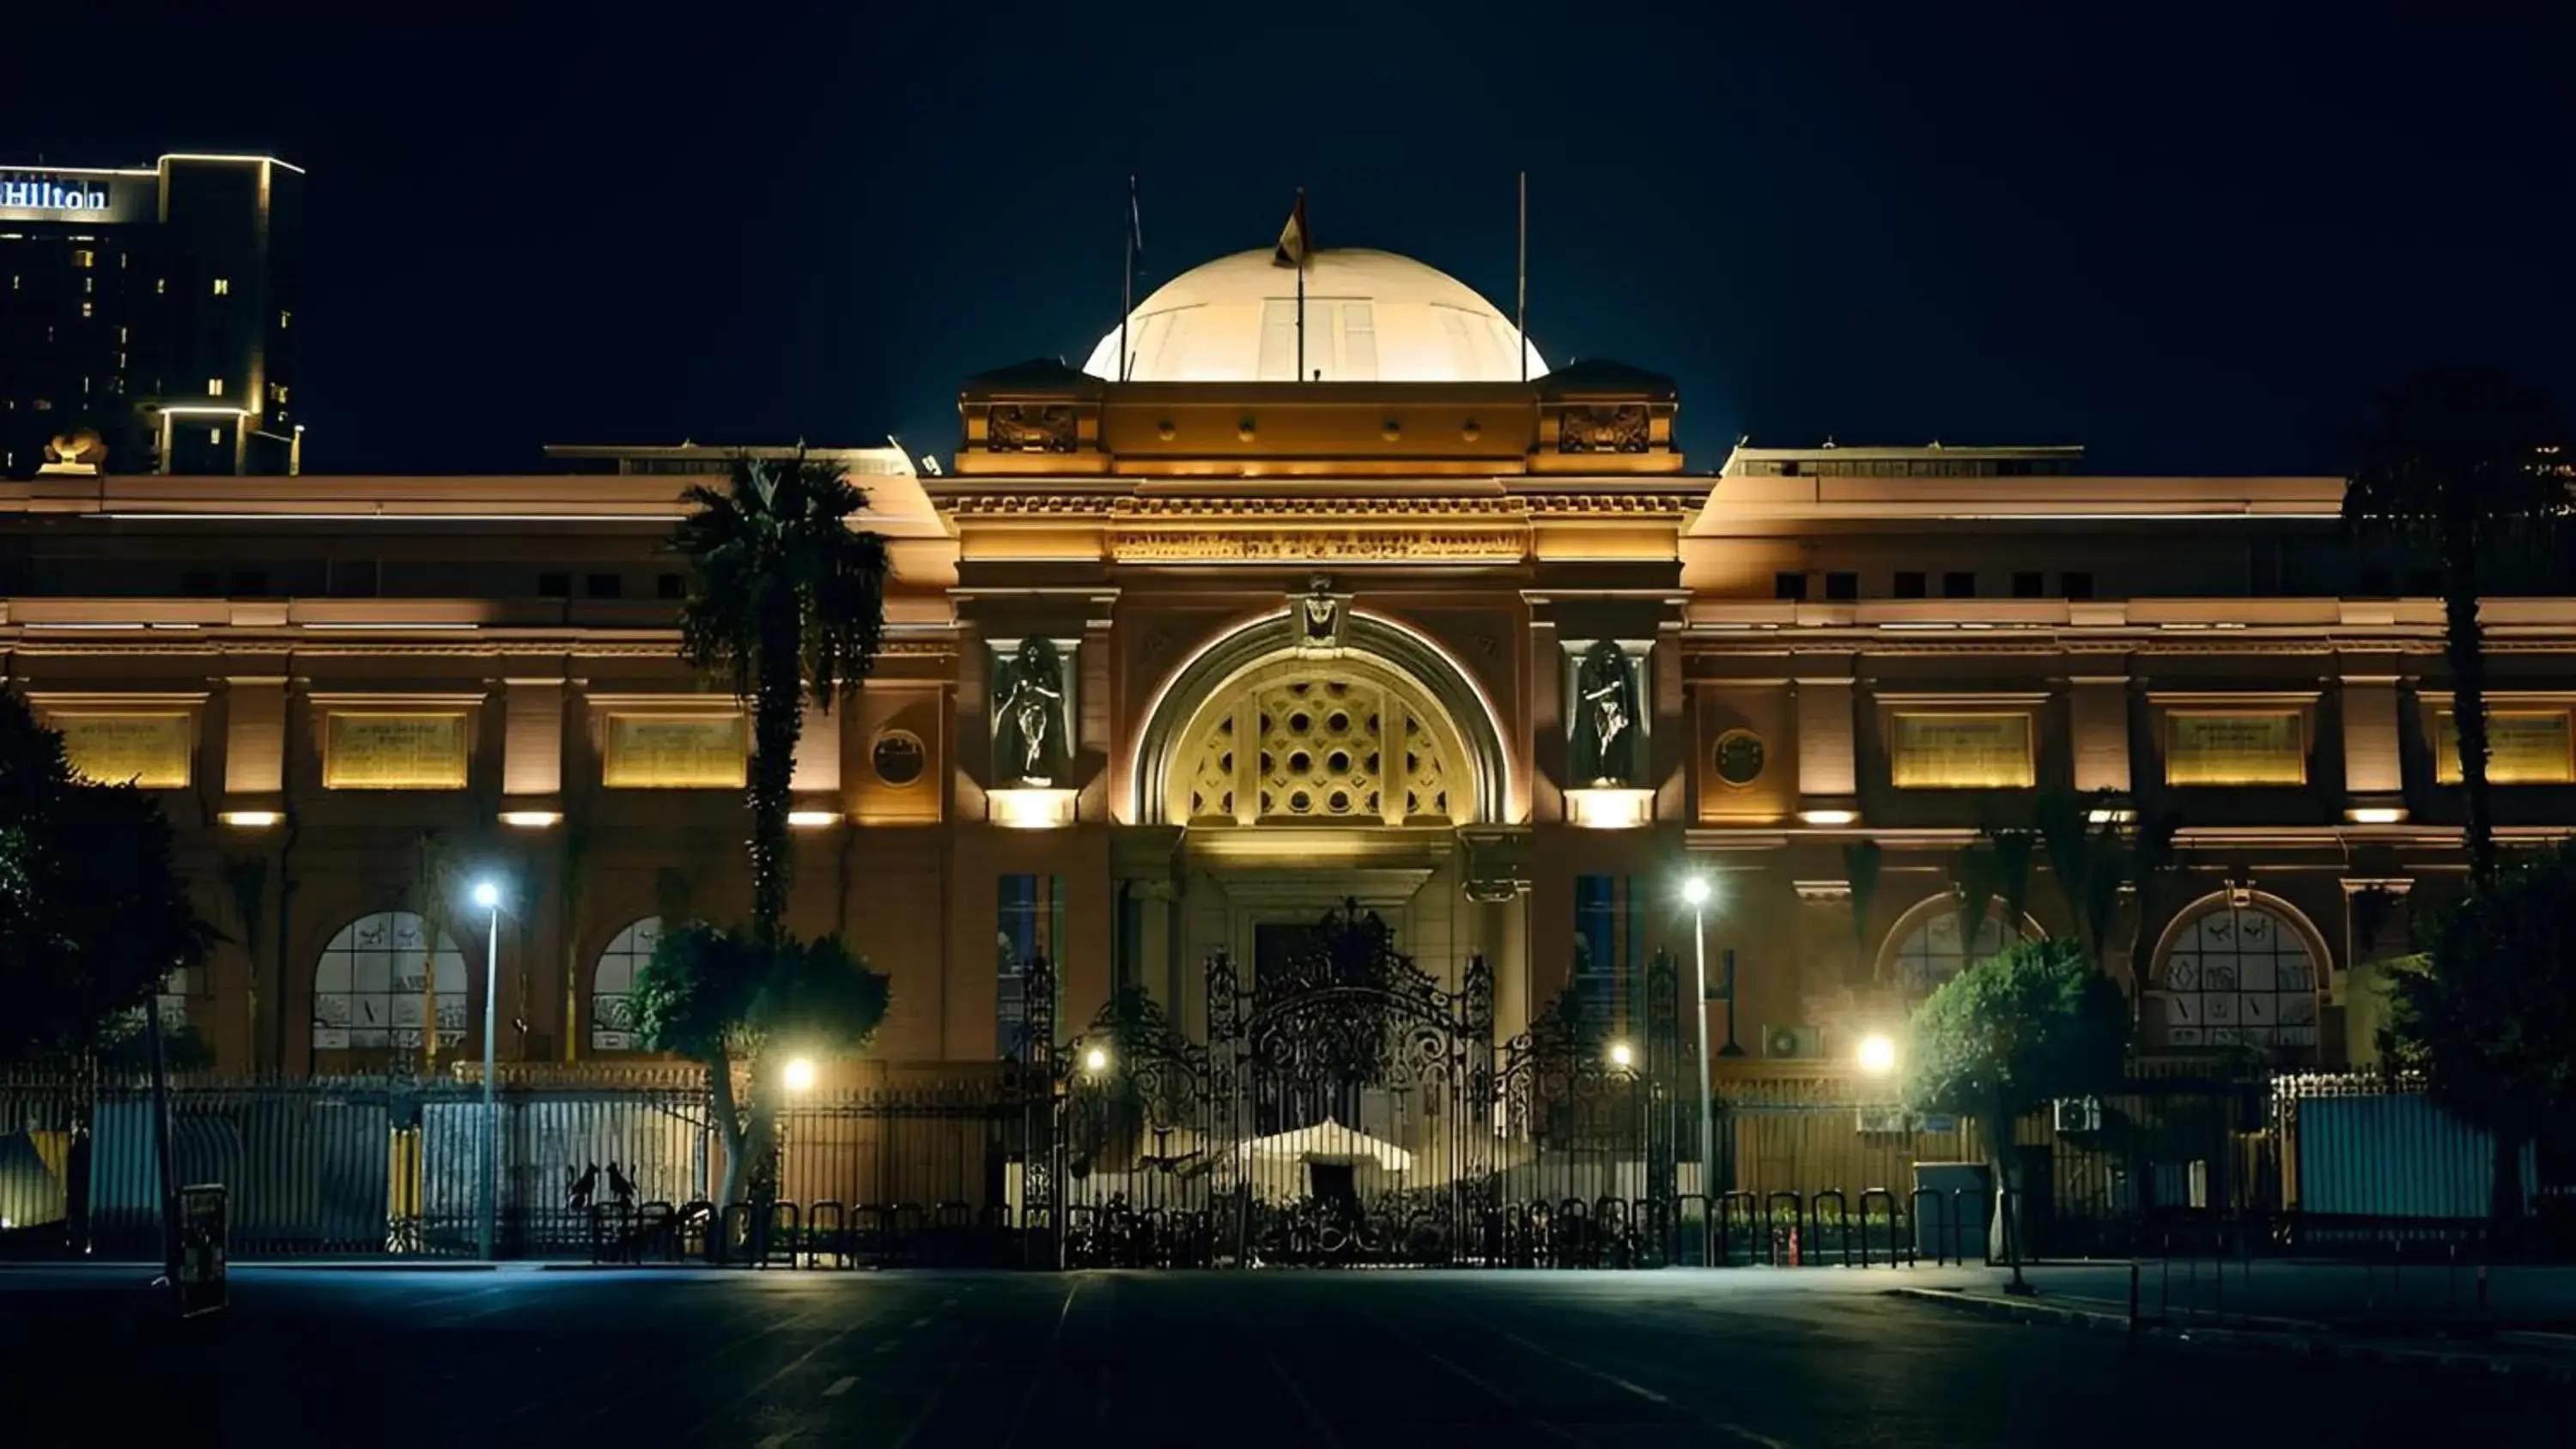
[1617, 429]
[1030, 428]
[1314, 545]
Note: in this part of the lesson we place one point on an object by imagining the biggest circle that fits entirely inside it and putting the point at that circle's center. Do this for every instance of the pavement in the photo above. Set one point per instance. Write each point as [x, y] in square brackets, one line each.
[776, 1359]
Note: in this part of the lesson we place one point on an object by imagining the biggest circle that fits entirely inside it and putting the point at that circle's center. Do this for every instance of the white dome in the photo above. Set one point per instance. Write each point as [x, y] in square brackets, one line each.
[1370, 317]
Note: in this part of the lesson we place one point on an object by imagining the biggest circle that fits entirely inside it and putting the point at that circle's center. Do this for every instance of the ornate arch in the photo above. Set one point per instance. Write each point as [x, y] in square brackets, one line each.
[1924, 943]
[369, 984]
[1428, 707]
[2237, 954]
[612, 984]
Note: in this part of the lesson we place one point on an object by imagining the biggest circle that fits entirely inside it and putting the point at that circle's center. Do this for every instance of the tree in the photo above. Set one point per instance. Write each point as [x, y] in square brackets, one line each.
[2460, 460]
[2488, 1015]
[723, 997]
[2097, 859]
[92, 915]
[786, 600]
[2005, 1035]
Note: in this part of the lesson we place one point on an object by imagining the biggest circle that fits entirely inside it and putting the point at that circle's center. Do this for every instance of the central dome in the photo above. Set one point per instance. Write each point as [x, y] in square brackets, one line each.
[1371, 316]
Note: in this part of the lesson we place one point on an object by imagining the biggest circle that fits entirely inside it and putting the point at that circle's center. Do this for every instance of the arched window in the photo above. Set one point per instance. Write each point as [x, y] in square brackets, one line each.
[612, 986]
[378, 979]
[1927, 947]
[1338, 742]
[2236, 972]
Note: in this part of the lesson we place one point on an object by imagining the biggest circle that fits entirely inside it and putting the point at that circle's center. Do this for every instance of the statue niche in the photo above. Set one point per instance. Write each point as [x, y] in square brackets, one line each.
[1605, 719]
[1029, 724]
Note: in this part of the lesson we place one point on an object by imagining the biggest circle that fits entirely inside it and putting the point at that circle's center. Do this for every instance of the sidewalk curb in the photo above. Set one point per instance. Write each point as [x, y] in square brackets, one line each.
[2311, 1343]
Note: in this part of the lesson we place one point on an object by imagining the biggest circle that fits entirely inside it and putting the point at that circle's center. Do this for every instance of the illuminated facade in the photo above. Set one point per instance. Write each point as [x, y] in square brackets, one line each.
[154, 307]
[1173, 664]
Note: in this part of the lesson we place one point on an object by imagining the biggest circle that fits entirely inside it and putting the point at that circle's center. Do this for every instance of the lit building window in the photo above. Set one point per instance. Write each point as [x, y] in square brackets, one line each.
[215, 437]
[223, 286]
[612, 986]
[1029, 923]
[160, 286]
[88, 307]
[84, 257]
[283, 319]
[2236, 975]
[214, 387]
[379, 980]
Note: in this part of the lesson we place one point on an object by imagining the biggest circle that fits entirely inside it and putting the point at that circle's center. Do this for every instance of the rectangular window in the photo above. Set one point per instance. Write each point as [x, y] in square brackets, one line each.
[353, 578]
[214, 387]
[88, 308]
[2524, 747]
[671, 586]
[1910, 584]
[1029, 923]
[1609, 931]
[603, 586]
[2027, 584]
[283, 318]
[394, 751]
[223, 286]
[1842, 587]
[1960, 752]
[84, 257]
[2076, 583]
[1959, 584]
[554, 586]
[2236, 747]
[673, 752]
[1788, 586]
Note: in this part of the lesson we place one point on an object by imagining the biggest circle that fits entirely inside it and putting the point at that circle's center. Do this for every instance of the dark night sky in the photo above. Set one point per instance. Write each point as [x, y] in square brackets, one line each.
[2191, 240]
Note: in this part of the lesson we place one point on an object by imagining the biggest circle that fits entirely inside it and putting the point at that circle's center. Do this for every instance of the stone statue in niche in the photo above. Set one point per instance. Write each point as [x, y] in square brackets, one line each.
[1029, 746]
[1605, 720]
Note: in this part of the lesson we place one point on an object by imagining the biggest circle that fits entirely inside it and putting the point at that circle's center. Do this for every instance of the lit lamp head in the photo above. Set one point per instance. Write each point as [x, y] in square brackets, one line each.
[799, 1075]
[1695, 890]
[487, 894]
[1095, 1061]
[1622, 1055]
[1877, 1054]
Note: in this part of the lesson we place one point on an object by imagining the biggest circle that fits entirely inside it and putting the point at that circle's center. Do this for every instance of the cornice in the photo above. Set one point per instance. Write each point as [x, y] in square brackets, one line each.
[1614, 503]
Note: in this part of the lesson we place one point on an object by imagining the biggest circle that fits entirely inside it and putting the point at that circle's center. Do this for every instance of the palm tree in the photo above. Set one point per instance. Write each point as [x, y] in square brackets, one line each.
[786, 599]
[2459, 460]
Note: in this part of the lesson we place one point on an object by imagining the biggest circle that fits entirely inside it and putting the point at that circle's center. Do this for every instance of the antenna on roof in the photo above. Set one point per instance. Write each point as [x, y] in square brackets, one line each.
[1520, 303]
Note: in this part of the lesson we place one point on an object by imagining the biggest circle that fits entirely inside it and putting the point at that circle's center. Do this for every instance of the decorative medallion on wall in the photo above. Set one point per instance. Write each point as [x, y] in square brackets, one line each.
[898, 757]
[1740, 758]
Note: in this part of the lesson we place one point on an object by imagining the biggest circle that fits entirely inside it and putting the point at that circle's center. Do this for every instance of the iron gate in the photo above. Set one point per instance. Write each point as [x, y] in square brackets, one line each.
[1349, 1109]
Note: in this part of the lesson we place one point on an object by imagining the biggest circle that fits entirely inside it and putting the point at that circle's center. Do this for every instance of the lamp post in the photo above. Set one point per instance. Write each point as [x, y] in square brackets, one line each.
[487, 894]
[1695, 890]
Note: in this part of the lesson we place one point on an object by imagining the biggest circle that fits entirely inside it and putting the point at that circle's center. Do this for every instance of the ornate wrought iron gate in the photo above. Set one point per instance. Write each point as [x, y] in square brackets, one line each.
[1351, 1110]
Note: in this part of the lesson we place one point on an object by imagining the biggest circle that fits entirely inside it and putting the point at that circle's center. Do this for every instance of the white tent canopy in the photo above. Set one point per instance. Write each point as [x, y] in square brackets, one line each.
[1328, 1141]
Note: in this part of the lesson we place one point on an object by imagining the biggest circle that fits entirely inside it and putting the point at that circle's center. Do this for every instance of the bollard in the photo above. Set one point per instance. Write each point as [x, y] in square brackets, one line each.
[2133, 1297]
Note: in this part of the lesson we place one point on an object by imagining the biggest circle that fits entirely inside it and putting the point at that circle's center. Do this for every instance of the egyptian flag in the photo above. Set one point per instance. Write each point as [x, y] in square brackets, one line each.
[1293, 250]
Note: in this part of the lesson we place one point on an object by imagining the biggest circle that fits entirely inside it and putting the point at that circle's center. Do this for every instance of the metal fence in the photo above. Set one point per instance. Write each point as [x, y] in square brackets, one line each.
[1585, 1169]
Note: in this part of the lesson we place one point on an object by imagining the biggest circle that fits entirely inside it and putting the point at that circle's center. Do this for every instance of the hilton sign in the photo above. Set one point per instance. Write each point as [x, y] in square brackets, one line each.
[59, 196]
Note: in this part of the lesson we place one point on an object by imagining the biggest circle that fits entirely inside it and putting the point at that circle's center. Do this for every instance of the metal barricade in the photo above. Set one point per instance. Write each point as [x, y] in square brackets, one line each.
[1771, 1223]
[1869, 1195]
[1842, 1218]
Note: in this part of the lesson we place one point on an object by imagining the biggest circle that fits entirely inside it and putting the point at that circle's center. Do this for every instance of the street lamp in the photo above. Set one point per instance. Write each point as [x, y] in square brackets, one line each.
[1695, 890]
[1095, 1061]
[1622, 1055]
[487, 894]
[799, 1075]
[1877, 1054]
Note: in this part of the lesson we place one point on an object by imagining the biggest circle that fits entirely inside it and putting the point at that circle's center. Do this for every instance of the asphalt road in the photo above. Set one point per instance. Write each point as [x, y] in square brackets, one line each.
[1748, 1357]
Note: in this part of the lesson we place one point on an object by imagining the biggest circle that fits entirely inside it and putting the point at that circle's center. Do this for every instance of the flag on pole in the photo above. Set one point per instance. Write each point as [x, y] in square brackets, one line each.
[1293, 249]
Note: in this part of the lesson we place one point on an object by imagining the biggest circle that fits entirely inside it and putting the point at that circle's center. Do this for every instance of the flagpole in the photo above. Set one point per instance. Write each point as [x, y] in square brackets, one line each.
[1521, 302]
[1304, 245]
[1127, 280]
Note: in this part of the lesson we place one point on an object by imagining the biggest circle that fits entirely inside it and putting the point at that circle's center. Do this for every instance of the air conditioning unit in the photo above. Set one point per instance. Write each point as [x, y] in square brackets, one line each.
[2079, 1114]
[1793, 1041]
[1885, 1120]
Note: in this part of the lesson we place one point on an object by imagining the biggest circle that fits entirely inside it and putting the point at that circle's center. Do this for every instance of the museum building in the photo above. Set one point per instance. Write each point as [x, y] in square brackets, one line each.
[1285, 599]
